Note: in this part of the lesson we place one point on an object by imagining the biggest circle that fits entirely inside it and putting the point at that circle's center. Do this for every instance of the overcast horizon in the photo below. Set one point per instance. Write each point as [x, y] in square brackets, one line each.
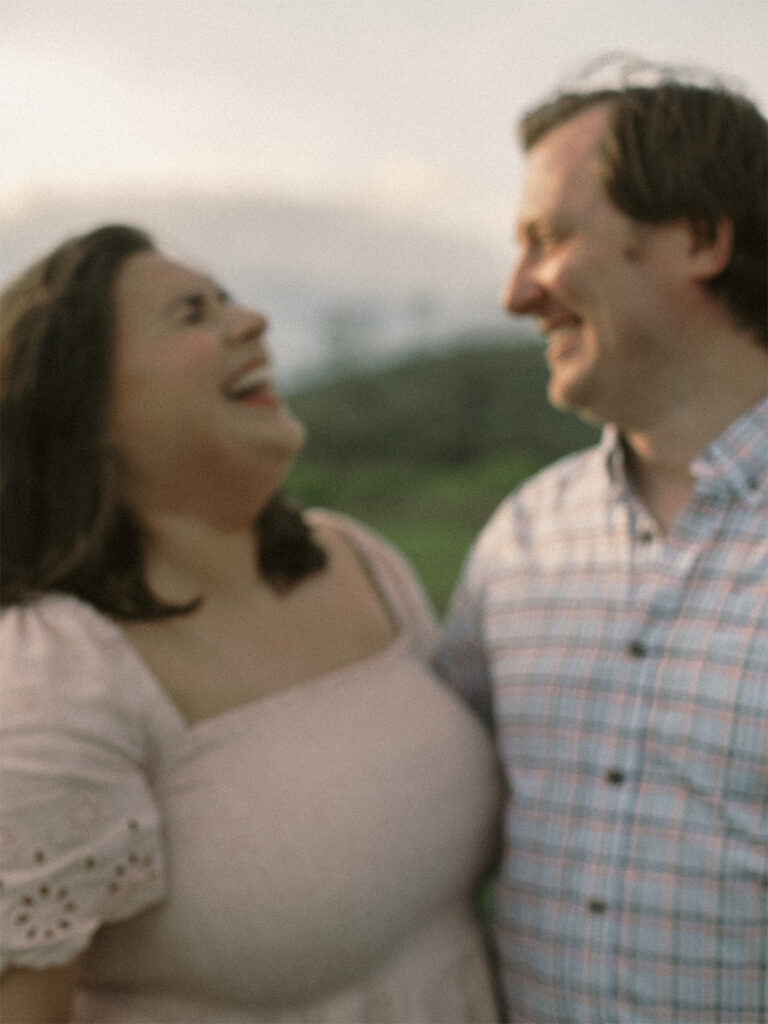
[367, 147]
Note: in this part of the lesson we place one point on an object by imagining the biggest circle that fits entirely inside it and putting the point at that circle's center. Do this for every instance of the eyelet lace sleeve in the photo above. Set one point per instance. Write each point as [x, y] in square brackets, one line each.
[79, 826]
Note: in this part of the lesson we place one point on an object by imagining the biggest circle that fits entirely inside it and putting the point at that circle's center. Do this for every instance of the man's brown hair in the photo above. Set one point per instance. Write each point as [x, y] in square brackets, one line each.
[677, 150]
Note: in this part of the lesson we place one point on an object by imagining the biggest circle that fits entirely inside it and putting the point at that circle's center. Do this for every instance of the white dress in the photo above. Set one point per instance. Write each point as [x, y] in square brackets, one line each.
[309, 856]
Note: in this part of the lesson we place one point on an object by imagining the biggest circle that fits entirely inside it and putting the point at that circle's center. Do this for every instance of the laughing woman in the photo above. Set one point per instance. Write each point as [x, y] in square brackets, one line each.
[231, 789]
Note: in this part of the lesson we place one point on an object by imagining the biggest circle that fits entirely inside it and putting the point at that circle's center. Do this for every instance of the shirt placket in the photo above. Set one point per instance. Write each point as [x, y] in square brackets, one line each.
[666, 563]
[621, 754]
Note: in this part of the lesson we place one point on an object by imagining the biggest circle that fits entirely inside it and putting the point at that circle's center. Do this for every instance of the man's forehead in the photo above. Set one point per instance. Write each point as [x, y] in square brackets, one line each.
[571, 144]
[563, 164]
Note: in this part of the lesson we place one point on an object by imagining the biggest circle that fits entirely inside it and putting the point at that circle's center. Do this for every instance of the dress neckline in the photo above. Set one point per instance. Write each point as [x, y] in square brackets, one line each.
[215, 721]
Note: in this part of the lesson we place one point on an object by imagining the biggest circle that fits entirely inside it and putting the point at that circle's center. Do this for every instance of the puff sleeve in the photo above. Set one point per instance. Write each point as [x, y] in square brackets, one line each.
[80, 829]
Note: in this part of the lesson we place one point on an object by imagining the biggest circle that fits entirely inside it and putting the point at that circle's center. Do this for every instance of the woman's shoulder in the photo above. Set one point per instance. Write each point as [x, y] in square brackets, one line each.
[378, 552]
[392, 572]
[57, 635]
[70, 655]
[340, 522]
[50, 618]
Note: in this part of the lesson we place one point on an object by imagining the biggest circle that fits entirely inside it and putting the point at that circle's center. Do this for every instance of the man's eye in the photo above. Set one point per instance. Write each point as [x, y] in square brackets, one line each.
[546, 239]
[543, 237]
[554, 237]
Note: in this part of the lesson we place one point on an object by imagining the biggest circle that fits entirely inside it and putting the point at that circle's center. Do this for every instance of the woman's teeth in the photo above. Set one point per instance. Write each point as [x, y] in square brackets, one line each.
[252, 380]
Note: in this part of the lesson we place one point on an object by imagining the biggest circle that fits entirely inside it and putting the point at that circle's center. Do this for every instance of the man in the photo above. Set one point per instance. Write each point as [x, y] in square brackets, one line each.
[612, 619]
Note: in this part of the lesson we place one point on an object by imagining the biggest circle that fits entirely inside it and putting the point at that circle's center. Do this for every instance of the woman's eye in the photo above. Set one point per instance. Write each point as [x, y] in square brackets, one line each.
[193, 310]
[197, 307]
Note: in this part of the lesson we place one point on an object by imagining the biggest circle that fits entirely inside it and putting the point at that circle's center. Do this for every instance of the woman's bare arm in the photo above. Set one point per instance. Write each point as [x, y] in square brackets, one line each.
[39, 997]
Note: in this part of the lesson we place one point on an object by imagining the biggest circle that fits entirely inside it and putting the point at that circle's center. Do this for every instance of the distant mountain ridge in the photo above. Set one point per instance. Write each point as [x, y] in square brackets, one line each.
[463, 405]
[338, 282]
[425, 448]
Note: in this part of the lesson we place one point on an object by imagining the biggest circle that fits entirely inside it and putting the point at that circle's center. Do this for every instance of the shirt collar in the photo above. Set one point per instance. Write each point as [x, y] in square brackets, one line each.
[736, 460]
[613, 457]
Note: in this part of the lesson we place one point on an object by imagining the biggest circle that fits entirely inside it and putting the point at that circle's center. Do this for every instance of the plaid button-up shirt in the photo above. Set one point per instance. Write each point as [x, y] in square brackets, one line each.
[626, 676]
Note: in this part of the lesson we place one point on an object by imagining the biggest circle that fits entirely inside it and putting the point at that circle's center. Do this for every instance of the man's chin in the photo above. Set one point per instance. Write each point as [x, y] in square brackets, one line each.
[573, 397]
[560, 394]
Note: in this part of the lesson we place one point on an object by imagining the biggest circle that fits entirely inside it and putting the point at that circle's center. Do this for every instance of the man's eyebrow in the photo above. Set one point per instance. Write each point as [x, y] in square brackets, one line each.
[557, 225]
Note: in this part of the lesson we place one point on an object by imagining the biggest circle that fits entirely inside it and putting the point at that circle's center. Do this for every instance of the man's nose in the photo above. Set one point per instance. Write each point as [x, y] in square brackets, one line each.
[523, 293]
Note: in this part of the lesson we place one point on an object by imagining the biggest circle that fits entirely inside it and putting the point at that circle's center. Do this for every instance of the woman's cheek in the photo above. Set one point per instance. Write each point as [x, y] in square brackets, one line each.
[194, 348]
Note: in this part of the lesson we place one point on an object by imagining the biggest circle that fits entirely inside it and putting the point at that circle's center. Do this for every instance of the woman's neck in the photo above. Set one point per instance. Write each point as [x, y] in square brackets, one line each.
[186, 558]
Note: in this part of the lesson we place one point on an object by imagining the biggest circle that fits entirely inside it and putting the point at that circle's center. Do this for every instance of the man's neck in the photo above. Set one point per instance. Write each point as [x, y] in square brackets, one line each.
[712, 380]
[664, 486]
[659, 457]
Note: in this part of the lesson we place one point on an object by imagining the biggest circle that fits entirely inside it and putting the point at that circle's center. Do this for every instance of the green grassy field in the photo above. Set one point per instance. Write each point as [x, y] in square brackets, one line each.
[432, 514]
[423, 450]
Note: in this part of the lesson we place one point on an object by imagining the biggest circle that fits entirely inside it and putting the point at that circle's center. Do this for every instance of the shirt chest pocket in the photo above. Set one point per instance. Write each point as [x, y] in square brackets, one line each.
[711, 745]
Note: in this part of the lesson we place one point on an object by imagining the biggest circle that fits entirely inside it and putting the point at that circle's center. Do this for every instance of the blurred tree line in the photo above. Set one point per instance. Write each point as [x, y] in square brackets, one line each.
[423, 450]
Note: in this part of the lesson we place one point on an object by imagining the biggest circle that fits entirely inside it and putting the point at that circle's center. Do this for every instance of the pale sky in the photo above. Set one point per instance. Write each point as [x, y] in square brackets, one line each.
[400, 107]
[405, 102]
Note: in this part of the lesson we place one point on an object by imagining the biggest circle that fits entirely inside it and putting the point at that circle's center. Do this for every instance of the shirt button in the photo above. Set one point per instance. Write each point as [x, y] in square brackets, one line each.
[637, 649]
[645, 537]
[596, 906]
[614, 776]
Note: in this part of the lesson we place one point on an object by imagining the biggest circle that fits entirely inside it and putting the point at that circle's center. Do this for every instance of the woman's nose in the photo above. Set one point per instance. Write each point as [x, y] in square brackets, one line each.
[246, 325]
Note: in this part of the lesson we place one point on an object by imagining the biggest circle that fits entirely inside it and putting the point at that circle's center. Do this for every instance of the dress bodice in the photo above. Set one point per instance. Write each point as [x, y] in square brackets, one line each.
[320, 844]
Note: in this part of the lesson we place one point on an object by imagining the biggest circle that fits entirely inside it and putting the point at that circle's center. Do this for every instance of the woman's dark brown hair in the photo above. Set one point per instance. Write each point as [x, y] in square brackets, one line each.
[677, 151]
[62, 525]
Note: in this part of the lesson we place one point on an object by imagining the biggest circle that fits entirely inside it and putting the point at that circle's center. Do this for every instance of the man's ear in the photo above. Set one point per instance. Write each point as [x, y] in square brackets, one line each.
[711, 247]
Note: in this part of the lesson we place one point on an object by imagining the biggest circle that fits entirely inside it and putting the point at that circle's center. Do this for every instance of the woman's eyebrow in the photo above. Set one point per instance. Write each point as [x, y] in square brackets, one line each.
[196, 294]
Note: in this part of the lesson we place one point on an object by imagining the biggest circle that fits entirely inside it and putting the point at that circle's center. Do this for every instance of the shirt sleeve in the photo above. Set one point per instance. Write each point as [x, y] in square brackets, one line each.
[460, 655]
[80, 829]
